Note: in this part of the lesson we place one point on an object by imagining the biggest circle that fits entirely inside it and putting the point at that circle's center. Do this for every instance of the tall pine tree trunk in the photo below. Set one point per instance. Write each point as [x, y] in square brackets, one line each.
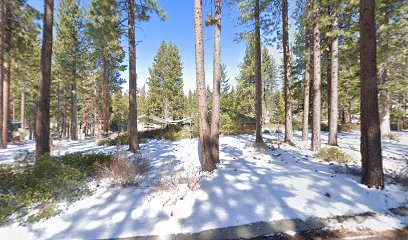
[31, 130]
[207, 161]
[6, 98]
[334, 81]
[105, 99]
[22, 108]
[215, 117]
[13, 111]
[286, 69]
[64, 116]
[7, 78]
[306, 87]
[384, 96]
[133, 141]
[371, 158]
[60, 111]
[316, 81]
[384, 106]
[74, 113]
[2, 50]
[74, 94]
[347, 112]
[258, 76]
[42, 123]
[404, 108]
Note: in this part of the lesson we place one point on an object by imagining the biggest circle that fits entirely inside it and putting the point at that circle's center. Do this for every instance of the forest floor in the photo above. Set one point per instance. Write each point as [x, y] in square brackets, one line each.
[251, 185]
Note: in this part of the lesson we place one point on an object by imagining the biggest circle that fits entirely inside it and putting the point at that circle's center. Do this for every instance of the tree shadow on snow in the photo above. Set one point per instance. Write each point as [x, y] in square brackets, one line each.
[248, 186]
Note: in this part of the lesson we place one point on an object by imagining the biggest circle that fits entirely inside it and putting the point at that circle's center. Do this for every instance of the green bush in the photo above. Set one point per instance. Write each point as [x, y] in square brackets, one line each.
[31, 189]
[333, 154]
[122, 139]
[172, 133]
[86, 162]
[232, 124]
[228, 125]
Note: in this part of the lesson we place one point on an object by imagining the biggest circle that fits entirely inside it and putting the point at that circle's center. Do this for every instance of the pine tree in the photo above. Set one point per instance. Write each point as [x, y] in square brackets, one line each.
[68, 49]
[269, 83]
[372, 170]
[25, 52]
[307, 76]
[2, 50]
[7, 43]
[142, 106]
[225, 85]
[258, 75]
[42, 122]
[207, 161]
[104, 32]
[120, 110]
[246, 90]
[217, 75]
[287, 77]
[133, 140]
[165, 94]
[255, 14]
[317, 79]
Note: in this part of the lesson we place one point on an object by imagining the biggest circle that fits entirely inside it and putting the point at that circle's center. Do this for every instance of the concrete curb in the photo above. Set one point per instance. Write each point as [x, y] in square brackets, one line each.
[260, 229]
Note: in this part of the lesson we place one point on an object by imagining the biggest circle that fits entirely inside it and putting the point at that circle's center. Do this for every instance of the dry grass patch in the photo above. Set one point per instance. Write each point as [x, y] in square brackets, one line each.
[125, 170]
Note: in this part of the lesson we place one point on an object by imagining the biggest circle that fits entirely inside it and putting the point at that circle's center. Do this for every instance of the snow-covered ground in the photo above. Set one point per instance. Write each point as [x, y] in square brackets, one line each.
[250, 185]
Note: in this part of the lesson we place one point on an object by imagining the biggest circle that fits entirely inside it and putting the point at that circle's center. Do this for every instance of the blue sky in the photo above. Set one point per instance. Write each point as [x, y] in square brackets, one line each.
[178, 28]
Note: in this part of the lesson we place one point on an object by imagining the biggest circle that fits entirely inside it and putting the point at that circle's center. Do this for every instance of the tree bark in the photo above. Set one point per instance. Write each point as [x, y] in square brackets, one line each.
[215, 117]
[2, 50]
[384, 106]
[105, 99]
[6, 99]
[13, 111]
[22, 108]
[42, 127]
[7, 77]
[133, 141]
[316, 81]
[306, 86]
[74, 94]
[404, 108]
[384, 96]
[372, 169]
[31, 130]
[286, 69]
[207, 161]
[64, 117]
[334, 81]
[74, 113]
[258, 76]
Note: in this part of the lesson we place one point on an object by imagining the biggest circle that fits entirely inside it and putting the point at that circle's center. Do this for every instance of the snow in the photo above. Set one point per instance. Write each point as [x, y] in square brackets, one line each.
[250, 185]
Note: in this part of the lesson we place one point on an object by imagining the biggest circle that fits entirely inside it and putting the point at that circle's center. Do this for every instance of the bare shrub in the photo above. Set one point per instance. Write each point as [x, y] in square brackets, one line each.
[175, 181]
[174, 177]
[125, 170]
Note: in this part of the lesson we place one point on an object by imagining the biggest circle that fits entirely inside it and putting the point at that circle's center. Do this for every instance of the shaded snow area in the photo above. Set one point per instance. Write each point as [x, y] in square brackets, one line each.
[250, 185]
